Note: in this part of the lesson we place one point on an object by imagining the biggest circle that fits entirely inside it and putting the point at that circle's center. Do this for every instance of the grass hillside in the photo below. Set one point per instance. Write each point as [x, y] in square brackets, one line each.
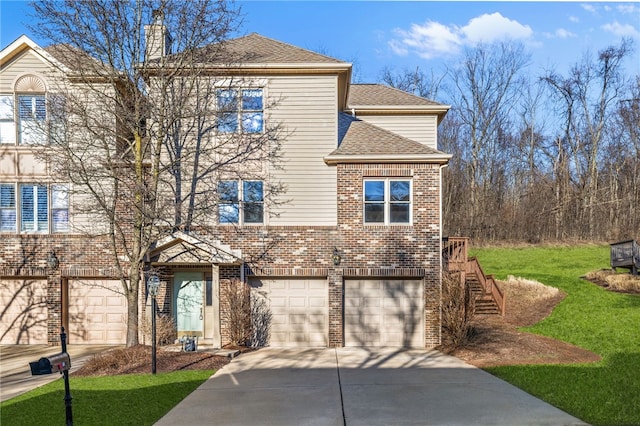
[604, 322]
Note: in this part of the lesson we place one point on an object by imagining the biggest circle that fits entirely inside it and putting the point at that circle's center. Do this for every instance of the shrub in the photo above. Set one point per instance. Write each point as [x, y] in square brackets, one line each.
[237, 315]
[166, 330]
[458, 309]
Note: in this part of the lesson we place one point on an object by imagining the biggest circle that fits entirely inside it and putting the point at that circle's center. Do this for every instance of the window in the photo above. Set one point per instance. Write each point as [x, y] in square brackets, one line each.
[32, 114]
[241, 201]
[25, 119]
[7, 208]
[41, 209]
[240, 110]
[59, 208]
[7, 123]
[387, 201]
[34, 208]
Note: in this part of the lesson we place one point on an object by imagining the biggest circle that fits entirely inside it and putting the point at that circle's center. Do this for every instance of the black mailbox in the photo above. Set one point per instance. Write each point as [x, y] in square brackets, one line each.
[40, 367]
[55, 363]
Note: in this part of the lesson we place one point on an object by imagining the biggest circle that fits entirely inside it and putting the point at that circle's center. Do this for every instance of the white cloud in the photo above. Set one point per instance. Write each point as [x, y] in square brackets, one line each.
[626, 8]
[574, 19]
[589, 7]
[562, 33]
[434, 39]
[622, 30]
[494, 27]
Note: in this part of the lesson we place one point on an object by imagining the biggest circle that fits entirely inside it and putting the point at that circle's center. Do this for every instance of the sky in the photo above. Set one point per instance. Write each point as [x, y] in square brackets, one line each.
[401, 35]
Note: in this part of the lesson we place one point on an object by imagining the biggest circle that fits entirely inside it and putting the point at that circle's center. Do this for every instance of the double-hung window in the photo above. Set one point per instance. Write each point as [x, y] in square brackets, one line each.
[32, 116]
[7, 207]
[240, 110]
[34, 208]
[387, 201]
[7, 121]
[241, 202]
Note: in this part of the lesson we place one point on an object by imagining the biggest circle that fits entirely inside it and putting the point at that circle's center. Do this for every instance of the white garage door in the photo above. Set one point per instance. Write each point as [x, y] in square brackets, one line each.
[298, 308]
[23, 312]
[381, 312]
[97, 312]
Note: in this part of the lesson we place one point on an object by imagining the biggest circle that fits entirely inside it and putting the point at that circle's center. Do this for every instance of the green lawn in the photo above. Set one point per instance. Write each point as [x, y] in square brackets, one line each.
[604, 393]
[140, 399]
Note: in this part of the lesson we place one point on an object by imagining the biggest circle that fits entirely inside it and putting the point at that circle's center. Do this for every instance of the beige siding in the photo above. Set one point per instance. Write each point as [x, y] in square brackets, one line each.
[419, 128]
[28, 62]
[308, 107]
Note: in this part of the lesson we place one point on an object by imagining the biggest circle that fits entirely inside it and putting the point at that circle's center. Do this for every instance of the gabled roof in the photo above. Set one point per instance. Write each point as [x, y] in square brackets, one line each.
[23, 43]
[380, 94]
[382, 99]
[255, 48]
[190, 248]
[77, 60]
[359, 141]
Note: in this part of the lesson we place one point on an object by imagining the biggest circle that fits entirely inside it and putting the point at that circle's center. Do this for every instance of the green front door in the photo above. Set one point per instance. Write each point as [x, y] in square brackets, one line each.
[187, 291]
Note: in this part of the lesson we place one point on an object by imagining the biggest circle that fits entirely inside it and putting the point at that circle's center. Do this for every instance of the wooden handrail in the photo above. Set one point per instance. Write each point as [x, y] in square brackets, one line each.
[455, 252]
[488, 283]
[455, 259]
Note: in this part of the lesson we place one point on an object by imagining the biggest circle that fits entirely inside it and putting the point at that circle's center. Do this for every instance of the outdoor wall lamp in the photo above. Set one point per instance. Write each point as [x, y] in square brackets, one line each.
[52, 261]
[335, 257]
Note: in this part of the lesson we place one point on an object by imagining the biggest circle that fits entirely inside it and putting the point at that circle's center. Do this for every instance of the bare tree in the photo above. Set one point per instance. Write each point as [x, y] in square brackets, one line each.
[138, 138]
[585, 100]
[486, 87]
[414, 81]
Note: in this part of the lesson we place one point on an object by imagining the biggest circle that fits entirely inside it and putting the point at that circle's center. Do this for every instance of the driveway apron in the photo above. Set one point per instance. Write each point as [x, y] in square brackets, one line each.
[359, 386]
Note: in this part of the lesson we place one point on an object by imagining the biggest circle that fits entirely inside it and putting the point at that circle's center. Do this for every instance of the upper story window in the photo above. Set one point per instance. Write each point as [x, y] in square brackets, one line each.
[26, 115]
[34, 208]
[240, 110]
[387, 201]
[241, 201]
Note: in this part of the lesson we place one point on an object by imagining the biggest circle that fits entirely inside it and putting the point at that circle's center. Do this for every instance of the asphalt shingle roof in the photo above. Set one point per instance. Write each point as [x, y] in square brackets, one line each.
[255, 48]
[380, 94]
[357, 137]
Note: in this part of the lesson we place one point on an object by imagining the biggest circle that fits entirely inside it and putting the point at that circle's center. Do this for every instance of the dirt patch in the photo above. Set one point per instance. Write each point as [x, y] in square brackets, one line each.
[137, 359]
[497, 341]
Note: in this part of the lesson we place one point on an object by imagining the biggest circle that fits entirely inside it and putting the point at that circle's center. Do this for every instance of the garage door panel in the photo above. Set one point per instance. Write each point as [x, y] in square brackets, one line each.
[298, 308]
[384, 313]
[23, 312]
[297, 302]
[97, 312]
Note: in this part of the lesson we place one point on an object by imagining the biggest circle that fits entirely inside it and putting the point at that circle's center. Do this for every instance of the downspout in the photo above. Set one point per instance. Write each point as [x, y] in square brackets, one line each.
[442, 166]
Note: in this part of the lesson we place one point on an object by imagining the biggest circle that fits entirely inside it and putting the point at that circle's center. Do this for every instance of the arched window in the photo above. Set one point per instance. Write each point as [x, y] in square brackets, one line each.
[23, 114]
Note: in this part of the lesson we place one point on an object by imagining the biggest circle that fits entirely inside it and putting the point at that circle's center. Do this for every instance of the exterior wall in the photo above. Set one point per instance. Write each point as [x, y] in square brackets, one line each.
[419, 128]
[27, 62]
[24, 256]
[307, 107]
[322, 209]
[367, 251]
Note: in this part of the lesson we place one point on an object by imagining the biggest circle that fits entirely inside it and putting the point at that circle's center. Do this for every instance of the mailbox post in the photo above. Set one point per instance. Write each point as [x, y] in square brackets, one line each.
[59, 363]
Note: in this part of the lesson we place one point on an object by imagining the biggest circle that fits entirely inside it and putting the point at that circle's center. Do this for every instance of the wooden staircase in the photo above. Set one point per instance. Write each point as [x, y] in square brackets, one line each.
[489, 299]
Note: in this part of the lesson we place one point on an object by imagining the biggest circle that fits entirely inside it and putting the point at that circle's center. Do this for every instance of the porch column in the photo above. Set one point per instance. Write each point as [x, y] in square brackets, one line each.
[215, 302]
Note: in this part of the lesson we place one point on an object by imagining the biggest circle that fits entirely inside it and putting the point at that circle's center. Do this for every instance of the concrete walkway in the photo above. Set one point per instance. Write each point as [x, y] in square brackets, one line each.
[356, 386]
[15, 374]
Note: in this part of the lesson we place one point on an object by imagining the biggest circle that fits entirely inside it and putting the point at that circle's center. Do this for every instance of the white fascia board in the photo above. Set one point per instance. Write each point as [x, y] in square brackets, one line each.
[23, 40]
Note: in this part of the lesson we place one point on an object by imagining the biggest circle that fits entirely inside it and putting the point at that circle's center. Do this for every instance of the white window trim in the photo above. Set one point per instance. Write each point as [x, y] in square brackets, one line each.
[239, 112]
[241, 203]
[387, 201]
[50, 209]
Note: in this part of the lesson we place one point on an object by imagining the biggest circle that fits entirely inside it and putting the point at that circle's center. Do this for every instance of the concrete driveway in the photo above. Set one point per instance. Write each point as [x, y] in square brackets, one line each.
[15, 375]
[356, 386]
